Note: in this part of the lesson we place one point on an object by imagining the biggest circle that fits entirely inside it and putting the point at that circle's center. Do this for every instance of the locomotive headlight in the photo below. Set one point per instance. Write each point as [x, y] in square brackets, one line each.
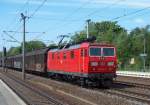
[110, 63]
[94, 63]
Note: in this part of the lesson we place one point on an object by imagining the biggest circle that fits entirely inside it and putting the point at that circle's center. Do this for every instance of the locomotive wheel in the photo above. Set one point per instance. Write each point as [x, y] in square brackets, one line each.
[83, 82]
[107, 83]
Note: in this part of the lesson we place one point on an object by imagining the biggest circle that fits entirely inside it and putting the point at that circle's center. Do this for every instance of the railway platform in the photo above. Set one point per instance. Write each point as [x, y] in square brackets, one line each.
[8, 97]
[134, 74]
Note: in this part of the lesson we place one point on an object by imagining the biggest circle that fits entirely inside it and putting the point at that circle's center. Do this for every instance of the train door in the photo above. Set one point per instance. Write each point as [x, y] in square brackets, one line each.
[83, 54]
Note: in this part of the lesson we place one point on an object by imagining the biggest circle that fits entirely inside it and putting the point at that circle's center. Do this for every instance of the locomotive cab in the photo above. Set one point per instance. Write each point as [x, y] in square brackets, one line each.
[102, 59]
[102, 63]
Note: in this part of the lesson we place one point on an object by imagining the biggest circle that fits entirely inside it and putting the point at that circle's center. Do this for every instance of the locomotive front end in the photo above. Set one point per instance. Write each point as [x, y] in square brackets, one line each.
[102, 63]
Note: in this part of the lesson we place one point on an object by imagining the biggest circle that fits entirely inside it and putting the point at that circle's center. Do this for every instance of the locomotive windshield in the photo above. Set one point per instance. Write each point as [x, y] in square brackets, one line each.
[108, 52]
[101, 51]
[95, 51]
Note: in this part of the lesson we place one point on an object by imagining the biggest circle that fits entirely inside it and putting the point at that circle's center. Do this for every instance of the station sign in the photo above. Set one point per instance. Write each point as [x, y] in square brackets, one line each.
[143, 55]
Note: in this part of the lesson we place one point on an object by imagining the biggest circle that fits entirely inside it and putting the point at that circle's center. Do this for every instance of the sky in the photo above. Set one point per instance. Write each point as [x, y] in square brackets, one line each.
[64, 17]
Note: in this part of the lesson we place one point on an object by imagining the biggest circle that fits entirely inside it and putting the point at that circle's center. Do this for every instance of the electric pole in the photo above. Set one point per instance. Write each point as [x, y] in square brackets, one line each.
[23, 47]
[3, 57]
[3, 53]
[144, 62]
[87, 31]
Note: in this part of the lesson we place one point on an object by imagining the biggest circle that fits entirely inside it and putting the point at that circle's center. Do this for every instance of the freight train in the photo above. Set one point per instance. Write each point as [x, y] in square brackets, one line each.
[85, 62]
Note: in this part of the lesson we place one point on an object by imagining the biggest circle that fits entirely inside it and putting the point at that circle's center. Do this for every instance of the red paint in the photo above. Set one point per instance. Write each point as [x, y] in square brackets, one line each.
[80, 64]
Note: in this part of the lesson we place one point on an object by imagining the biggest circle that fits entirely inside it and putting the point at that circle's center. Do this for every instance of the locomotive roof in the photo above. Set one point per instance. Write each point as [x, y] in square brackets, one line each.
[83, 45]
[76, 46]
[102, 44]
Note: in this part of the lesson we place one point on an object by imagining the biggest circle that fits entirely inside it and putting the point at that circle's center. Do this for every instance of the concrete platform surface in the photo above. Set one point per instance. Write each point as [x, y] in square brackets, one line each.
[134, 74]
[8, 97]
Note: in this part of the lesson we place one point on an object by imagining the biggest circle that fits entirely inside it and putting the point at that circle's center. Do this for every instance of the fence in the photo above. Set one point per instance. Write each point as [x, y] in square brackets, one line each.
[139, 69]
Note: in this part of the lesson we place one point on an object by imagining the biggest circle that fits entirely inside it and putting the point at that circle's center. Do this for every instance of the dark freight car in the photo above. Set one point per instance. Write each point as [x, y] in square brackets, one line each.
[34, 61]
[17, 61]
[9, 62]
[0, 62]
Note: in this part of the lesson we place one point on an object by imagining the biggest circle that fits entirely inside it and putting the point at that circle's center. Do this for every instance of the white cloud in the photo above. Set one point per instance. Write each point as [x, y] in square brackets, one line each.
[121, 3]
[139, 21]
[47, 3]
[125, 3]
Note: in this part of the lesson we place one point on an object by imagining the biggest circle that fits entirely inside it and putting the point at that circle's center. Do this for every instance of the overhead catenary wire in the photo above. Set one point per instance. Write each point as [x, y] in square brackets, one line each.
[71, 14]
[124, 15]
[16, 31]
[76, 10]
[41, 6]
[37, 9]
[20, 10]
[25, 32]
[68, 16]
[131, 13]
[106, 7]
[14, 20]
[11, 37]
[60, 20]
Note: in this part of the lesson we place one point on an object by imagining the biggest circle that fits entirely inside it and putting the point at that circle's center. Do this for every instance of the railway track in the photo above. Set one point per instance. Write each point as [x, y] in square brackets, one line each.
[128, 94]
[133, 96]
[116, 92]
[51, 100]
[129, 84]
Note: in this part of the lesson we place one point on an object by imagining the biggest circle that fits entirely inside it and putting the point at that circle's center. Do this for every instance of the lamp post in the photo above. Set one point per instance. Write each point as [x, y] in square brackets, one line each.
[144, 55]
[87, 31]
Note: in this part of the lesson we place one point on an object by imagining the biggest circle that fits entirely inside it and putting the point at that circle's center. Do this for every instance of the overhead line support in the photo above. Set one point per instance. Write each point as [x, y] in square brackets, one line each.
[23, 46]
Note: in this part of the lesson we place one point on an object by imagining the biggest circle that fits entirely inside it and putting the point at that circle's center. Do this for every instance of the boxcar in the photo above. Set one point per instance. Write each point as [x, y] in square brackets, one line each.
[37, 60]
[17, 61]
[34, 61]
[0, 62]
[9, 62]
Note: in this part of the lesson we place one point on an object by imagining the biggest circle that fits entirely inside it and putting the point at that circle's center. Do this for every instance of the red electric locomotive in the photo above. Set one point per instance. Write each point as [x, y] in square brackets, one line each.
[87, 62]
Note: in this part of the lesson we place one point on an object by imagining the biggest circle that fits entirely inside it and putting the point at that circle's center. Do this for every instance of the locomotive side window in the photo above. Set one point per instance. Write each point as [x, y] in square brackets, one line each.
[52, 55]
[64, 55]
[108, 51]
[72, 54]
[83, 52]
[58, 56]
[95, 51]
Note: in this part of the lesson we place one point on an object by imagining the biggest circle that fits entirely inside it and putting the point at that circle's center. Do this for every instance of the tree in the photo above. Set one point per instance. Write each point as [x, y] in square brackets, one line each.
[14, 51]
[52, 45]
[1, 54]
[137, 36]
[107, 31]
[78, 37]
[33, 45]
